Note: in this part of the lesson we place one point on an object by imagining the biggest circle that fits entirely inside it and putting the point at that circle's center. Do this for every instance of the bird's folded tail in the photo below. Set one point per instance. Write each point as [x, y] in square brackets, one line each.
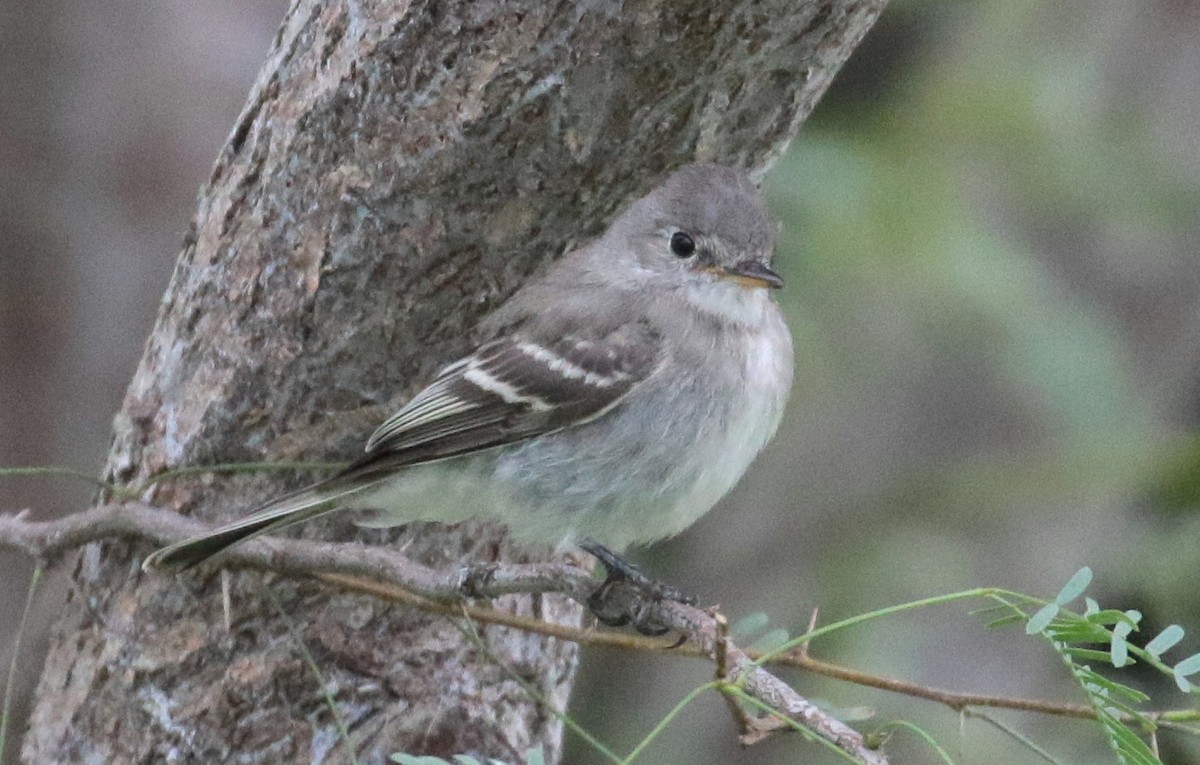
[279, 513]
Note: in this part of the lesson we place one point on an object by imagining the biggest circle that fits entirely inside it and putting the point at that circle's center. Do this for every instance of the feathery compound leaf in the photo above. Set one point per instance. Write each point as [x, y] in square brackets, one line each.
[1111, 701]
[1074, 587]
[1165, 640]
[1041, 620]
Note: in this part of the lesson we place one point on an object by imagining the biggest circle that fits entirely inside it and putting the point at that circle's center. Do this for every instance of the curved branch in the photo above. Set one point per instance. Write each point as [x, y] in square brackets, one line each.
[388, 575]
[373, 568]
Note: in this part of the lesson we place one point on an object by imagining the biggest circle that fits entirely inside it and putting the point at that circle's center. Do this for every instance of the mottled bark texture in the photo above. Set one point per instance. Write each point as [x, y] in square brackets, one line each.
[399, 169]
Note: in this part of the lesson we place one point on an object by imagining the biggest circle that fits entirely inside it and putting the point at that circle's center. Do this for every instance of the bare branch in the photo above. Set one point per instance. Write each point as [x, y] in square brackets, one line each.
[369, 567]
[386, 574]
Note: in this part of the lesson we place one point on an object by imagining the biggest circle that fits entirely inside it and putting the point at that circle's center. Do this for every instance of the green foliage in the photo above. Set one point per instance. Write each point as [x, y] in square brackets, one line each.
[1097, 635]
[1073, 637]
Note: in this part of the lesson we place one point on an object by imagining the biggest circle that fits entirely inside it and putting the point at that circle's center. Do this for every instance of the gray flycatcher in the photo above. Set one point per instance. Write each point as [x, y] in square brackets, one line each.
[621, 394]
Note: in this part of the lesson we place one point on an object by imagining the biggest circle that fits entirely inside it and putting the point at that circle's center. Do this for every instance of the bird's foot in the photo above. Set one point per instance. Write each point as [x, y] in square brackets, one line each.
[627, 596]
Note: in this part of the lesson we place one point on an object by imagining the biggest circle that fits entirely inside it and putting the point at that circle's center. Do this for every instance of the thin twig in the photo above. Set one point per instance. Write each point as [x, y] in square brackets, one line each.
[633, 642]
[802, 650]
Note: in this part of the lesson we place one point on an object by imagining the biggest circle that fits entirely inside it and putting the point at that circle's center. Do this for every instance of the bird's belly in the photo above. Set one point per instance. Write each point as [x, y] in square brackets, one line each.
[644, 471]
[650, 477]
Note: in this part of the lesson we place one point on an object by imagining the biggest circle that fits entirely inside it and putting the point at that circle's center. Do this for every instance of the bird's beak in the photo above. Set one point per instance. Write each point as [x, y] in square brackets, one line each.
[751, 273]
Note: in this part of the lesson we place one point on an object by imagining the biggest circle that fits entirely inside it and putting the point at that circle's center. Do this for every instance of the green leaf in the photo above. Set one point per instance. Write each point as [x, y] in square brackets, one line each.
[1189, 666]
[1074, 587]
[1079, 633]
[1088, 654]
[1121, 708]
[1107, 616]
[1183, 683]
[1128, 745]
[1092, 607]
[1041, 620]
[1165, 640]
[1120, 652]
[750, 625]
[1088, 676]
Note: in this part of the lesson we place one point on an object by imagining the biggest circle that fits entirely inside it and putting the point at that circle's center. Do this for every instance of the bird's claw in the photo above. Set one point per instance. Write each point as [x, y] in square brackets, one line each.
[627, 596]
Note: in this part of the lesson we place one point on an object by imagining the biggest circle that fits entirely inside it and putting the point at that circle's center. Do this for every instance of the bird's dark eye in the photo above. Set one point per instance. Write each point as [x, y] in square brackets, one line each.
[682, 244]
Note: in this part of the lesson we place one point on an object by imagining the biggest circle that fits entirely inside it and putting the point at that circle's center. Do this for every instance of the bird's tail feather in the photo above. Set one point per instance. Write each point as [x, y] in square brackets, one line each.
[279, 513]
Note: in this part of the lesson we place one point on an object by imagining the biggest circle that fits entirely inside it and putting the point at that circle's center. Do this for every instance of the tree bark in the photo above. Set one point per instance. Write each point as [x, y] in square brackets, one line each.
[397, 172]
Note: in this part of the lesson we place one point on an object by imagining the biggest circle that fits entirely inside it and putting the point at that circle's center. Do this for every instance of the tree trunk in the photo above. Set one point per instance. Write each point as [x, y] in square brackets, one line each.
[397, 172]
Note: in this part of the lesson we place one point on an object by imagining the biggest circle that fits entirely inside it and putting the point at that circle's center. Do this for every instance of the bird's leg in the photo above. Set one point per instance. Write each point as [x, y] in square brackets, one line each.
[626, 593]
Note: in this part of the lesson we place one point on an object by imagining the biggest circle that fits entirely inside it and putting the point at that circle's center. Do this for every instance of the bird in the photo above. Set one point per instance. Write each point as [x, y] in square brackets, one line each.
[613, 401]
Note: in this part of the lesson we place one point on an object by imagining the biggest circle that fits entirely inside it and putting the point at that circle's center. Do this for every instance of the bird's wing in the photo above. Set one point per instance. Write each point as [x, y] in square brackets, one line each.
[512, 389]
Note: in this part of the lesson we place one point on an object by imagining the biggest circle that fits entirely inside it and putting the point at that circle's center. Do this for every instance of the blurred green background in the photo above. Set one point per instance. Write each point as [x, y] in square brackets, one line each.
[991, 247]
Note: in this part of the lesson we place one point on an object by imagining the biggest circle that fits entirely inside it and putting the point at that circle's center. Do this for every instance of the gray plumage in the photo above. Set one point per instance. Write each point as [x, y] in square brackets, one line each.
[622, 394]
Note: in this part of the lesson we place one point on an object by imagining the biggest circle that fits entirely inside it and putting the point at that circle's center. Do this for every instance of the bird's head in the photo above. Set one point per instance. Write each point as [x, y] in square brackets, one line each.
[706, 233]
